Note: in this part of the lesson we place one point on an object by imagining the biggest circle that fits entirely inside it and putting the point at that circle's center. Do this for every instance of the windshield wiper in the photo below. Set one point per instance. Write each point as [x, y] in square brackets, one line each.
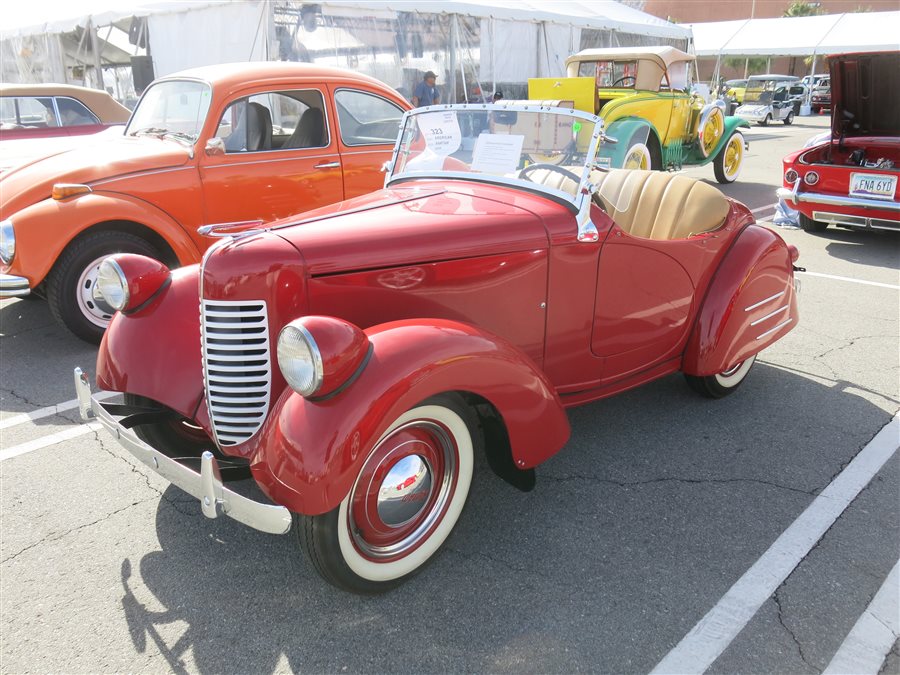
[155, 131]
[181, 136]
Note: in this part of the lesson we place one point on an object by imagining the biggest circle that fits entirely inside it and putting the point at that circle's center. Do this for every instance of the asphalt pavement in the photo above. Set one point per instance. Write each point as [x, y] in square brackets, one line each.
[747, 535]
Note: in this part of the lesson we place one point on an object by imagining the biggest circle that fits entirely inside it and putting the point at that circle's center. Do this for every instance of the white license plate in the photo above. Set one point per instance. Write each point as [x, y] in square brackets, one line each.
[873, 185]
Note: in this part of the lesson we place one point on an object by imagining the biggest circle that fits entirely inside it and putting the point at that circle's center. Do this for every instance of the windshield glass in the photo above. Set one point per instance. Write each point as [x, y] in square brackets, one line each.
[764, 91]
[511, 144]
[174, 107]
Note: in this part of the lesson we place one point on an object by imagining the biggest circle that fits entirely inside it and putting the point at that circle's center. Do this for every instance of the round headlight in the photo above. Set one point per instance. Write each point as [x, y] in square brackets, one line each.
[112, 284]
[7, 242]
[299, 359]
[790, 176]
[811, 178]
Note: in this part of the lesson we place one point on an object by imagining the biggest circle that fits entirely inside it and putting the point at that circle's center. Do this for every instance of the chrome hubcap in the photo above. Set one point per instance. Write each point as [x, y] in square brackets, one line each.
[91, 303]
[404, 491]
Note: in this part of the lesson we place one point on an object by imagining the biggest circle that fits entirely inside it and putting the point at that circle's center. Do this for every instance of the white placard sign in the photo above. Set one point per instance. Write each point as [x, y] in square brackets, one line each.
[497, 153]
[441, 131]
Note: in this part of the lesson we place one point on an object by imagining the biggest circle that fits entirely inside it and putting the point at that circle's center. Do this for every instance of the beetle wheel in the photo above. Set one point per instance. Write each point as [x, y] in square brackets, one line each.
[406, 499]
[721, 384]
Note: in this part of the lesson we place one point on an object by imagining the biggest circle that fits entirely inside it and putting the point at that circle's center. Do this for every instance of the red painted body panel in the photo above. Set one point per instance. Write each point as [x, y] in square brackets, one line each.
[134, 358]
[750, 304]
[310, 471]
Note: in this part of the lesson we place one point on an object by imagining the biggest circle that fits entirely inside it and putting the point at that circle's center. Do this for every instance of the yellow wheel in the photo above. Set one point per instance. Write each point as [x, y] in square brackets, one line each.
[728, 162]
[711, 130]
[637, 157]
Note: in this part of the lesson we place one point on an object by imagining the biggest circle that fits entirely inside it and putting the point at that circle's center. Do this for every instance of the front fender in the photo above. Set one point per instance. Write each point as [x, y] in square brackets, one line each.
[44, 229]
[156, 351]
[732, 123]
[750, 303]
[623, 130]
[314, 450]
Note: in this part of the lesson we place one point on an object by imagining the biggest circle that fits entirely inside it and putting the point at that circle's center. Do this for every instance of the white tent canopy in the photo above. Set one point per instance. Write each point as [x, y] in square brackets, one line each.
[799, 36]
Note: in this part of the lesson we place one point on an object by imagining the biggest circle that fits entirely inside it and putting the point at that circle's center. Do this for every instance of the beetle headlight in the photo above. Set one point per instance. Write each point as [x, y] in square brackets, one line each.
[7, 242]
[319, 356]
[112, 284]
[299, 359]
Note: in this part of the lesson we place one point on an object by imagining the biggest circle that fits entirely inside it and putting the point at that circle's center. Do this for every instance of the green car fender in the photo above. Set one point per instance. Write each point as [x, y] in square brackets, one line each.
[626, 131]
[732, 123]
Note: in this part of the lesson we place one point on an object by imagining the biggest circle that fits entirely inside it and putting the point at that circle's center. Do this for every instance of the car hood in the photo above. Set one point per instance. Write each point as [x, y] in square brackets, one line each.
[865, 94]
[420, 223]
[88, 163]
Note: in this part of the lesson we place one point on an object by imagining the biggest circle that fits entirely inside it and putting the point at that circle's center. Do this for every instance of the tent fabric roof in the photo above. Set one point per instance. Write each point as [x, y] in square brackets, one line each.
[30, 18]
[799, 36]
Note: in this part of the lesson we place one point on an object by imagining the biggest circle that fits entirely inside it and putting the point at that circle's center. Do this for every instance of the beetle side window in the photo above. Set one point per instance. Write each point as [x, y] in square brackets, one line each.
[27, 111]
[282, 120]
[74, 113]
[366, 119]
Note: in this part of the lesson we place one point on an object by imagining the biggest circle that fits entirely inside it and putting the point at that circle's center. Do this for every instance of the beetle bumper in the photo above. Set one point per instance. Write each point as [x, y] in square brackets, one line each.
[13, 287]
[206, 485]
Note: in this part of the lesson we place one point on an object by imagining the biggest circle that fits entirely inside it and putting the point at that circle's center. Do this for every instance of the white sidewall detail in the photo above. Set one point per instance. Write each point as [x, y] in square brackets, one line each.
[387, 571]
[733, 380]
[737, 172]
[638, 149]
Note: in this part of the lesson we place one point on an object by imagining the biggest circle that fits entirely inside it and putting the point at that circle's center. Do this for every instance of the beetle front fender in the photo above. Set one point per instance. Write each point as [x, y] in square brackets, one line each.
[314, 450]
[44, 229]
[751, 303]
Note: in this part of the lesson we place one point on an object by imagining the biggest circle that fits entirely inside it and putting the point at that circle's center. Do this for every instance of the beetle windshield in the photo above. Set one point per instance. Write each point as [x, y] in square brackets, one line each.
[512, 144]
[172, 107]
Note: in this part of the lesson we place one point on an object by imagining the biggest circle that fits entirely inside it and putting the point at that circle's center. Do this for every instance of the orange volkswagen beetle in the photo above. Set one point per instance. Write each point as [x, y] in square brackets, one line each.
[226, 143]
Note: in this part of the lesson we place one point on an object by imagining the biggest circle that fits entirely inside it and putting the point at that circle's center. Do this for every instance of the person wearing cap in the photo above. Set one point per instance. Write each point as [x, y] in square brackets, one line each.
[426, 92]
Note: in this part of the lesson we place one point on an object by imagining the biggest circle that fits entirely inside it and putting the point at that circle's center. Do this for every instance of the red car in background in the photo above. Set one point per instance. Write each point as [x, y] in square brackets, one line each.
[851, 178]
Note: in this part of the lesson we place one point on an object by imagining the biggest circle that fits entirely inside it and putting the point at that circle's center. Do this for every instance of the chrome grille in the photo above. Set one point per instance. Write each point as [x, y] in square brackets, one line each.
[237, 371]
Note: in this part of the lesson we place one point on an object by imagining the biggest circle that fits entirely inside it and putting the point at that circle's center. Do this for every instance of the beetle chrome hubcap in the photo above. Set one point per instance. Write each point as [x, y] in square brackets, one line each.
[403, 490]
[91, 303]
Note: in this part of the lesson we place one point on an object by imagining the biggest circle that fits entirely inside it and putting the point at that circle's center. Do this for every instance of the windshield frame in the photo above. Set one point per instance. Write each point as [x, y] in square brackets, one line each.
[576, 201]
[129, 131]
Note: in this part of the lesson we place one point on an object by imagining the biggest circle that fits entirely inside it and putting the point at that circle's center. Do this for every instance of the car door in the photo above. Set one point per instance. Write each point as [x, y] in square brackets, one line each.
[368, 125]
[273, 154]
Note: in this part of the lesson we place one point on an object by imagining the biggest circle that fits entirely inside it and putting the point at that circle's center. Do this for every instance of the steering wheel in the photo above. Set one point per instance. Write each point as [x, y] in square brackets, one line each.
[622, 80]
[523, 173]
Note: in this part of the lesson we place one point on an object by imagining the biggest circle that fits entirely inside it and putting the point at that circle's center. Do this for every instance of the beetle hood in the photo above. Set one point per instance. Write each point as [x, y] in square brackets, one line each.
[88, 164]
[427, 222]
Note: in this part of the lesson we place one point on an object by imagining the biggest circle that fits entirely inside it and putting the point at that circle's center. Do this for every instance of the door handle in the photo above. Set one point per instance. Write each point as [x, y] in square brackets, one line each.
[328, 165]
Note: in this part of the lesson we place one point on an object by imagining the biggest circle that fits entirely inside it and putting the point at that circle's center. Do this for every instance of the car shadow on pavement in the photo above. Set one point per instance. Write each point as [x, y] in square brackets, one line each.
[879, 248]
[659, 502]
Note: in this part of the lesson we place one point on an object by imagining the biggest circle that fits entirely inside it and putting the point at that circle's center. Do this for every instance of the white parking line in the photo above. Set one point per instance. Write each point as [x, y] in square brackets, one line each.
[850, 279]
[48, 411]
[770, 207]
[46, 441]
[715, 631]
[863, 651]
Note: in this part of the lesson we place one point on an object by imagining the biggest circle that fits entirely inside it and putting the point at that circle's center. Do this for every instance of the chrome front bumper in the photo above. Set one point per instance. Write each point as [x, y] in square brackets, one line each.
[795, 197]
[206, 486]
[13, 287]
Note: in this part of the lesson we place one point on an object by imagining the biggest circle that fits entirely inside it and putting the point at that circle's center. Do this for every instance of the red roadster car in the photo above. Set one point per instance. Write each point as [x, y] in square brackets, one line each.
[850, 179]
[380, 342]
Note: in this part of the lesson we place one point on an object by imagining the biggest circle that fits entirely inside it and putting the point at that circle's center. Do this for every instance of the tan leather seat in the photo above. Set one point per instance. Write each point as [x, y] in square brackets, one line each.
[651, 204]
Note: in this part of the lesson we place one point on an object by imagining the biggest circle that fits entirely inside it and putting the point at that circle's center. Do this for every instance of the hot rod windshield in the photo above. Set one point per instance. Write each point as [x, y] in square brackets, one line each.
[177, 107]
[508, 144]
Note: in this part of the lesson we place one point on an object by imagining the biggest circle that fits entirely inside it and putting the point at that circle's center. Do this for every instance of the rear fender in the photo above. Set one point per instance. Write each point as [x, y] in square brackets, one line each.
[156, 351]
[313, 450]
[750, 303]
[44, 229]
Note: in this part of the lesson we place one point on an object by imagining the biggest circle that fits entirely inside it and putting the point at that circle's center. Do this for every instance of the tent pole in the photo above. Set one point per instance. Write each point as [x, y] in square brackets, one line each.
[98, 68]
[454, 37]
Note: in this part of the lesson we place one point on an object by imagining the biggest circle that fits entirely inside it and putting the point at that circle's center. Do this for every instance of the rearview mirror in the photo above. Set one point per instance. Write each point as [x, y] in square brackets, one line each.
[215, 146]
